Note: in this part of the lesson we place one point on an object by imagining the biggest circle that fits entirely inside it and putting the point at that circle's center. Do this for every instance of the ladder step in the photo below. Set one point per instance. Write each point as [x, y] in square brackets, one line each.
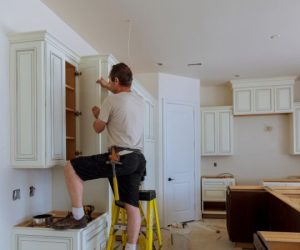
[123, 227]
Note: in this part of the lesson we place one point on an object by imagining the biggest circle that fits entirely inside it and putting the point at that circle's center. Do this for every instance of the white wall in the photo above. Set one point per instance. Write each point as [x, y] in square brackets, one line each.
[13, 212]
[257, 153]
[21, 16]
[171, 88]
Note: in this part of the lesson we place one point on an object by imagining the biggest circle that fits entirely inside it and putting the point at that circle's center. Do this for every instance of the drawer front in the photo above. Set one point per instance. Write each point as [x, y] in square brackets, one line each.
[28, 242]
[214, 195]
[215, 182]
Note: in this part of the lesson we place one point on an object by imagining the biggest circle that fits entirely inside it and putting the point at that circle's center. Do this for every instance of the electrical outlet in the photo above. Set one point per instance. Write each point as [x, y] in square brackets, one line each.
[31, 191]
[16, 194]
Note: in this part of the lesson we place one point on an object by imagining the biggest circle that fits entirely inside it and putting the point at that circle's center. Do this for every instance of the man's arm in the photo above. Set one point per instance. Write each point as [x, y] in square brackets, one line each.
[104, 84]
[98, 125]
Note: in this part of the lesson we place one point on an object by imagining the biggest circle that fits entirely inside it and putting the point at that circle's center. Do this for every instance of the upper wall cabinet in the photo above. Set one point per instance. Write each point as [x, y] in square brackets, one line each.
[263, 96]
[295, 128]
[217, 130]
[38, 102]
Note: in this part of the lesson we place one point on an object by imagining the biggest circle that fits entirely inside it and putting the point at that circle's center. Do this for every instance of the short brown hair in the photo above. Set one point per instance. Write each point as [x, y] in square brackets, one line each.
[122, 72]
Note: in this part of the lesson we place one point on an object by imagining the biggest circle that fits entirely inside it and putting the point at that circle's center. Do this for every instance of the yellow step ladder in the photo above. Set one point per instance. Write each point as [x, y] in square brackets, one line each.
[150, 225]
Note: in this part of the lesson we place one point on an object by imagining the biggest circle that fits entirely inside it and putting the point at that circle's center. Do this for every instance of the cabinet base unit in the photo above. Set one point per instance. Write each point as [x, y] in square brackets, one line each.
[247, 212]
[214, 196]
[27, 236]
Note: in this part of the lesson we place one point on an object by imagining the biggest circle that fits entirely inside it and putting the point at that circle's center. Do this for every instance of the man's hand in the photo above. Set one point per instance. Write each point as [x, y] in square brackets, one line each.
[103, 83]
[96, 111]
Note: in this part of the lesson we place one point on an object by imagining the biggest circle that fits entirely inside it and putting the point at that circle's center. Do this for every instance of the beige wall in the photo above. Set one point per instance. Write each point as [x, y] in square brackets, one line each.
[257, 153]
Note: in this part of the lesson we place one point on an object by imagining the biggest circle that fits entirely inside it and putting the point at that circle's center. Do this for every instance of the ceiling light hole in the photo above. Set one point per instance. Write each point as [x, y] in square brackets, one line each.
[275, 36]
[159, 64]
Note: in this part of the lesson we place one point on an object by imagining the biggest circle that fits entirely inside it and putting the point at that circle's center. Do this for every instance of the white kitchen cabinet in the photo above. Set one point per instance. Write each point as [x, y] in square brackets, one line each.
[92, 237]
[295, 130]
[37, 95]
[214, 195]
[263, 96]
[217, 130]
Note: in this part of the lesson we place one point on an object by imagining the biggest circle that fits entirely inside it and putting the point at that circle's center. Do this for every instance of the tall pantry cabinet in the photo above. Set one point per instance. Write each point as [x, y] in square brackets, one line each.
[39, 64]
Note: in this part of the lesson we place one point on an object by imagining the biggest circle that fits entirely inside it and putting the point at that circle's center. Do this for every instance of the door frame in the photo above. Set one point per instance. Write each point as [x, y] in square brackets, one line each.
[161, 173]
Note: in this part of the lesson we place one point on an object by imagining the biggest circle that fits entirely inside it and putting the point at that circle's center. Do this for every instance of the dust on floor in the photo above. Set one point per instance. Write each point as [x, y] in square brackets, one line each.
[207, 234]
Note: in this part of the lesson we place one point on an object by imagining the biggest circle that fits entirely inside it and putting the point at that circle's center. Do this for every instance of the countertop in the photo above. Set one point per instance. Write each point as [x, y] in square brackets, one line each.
[282, 180]
[289, 195]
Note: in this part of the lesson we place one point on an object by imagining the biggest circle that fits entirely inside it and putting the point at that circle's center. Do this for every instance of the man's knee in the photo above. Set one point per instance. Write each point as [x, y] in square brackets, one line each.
[69, 168]
[131, 209]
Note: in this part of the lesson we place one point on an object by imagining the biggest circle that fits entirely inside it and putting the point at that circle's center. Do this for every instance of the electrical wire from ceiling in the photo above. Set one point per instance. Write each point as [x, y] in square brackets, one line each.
[128, 40]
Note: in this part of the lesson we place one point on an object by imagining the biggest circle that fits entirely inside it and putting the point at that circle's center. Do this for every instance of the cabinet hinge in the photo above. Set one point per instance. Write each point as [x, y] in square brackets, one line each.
[78, 73]
[78, 153]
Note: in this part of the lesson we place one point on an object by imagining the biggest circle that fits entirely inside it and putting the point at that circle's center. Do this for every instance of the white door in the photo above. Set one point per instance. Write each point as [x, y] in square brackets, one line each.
[179, 162]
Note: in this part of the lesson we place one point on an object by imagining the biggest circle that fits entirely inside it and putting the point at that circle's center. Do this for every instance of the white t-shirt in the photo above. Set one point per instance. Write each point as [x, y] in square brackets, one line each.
[123, 114]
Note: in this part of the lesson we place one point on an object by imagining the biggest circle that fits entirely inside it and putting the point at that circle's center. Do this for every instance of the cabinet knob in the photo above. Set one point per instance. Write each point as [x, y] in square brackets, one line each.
[170, 179]
[77, 113]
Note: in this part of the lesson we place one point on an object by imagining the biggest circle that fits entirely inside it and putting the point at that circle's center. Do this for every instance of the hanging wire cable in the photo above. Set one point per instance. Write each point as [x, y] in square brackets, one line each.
[128, 41]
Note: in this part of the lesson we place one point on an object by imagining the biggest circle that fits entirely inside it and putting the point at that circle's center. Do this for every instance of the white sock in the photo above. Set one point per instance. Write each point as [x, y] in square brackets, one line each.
[130, 246]
[77, 212]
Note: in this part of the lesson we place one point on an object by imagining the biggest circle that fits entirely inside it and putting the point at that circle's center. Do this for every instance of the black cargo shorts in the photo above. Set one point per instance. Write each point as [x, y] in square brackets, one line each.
[129, 174]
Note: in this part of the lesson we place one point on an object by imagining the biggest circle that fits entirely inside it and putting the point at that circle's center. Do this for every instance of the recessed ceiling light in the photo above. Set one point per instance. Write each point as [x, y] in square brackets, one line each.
[236, 75]
[275, 36]
[194, 64]
[159, 64]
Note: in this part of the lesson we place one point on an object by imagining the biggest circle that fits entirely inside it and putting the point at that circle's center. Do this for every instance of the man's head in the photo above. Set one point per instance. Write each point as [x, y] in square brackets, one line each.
[122, 74]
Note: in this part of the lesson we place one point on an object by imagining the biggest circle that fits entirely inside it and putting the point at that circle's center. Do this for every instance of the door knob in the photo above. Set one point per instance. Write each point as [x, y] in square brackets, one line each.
[170, 179]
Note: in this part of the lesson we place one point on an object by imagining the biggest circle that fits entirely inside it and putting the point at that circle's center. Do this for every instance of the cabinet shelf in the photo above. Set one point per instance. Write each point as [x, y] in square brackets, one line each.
[69, 87]
[70, 109]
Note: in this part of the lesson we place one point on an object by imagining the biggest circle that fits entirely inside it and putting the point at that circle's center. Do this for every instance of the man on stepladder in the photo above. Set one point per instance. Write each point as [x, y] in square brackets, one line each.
[122, 114]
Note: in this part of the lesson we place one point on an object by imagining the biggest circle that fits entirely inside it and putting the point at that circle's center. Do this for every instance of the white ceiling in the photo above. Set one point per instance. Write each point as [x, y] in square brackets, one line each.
[229, 37]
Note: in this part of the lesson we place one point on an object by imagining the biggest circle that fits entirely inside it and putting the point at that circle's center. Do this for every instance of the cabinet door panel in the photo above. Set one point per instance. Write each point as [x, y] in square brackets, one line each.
[214, 195]
[225, 132]
[27, 105]
[284, 98]
[55, 106]
[242, 101]
[263, 100]
[297, 130]
[208, 132]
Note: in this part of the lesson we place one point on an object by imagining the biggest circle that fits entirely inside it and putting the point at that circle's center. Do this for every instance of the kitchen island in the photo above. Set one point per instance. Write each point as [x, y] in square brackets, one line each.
[256, 208]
